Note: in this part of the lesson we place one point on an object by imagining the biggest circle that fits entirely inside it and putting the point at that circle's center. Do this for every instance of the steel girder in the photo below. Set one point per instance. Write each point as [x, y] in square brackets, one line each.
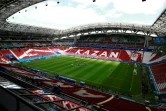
[9, 8]
[108, 28]
[160, 23]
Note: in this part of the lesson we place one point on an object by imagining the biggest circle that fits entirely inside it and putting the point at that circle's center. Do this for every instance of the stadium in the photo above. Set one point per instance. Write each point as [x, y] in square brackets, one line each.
[104, 66]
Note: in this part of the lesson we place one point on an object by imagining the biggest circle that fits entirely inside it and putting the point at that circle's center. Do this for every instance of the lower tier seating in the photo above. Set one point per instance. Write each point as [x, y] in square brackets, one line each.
[159, 73]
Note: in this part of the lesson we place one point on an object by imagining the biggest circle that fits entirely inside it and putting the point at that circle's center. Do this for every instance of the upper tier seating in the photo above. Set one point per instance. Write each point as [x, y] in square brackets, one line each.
[23, 44]
[111, 41]
[6, 45]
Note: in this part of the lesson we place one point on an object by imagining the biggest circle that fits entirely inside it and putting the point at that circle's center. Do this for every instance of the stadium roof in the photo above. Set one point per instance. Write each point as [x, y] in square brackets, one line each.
[9, 7]
[160, 23]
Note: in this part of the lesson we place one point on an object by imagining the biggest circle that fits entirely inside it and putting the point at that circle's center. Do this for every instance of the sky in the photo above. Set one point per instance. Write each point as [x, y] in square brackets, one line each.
[72, 13]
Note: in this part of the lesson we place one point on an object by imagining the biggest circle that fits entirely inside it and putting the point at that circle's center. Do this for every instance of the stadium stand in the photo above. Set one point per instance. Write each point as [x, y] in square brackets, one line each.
[3, 59]
[158, 71]
[93, 97]
[30, 52]
[121, 55]
[111, 54]
[19, 53]
[35, 95]
[112, 41]
[105, 101]
[6, 51]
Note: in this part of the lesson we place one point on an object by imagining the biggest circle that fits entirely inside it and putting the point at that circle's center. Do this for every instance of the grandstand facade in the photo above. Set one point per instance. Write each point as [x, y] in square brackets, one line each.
[139, 49]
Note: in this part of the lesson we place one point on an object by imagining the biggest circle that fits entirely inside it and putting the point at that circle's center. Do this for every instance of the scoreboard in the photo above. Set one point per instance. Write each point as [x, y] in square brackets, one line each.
[159, 40]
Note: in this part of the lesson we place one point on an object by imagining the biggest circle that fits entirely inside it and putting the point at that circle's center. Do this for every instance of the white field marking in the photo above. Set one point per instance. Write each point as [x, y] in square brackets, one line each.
[148, 109]
[127, 70]
[109, 99]
[131, 82]
[112, 71]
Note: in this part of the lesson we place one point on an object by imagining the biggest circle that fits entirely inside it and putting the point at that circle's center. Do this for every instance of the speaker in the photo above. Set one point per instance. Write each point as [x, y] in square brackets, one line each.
[143, 0]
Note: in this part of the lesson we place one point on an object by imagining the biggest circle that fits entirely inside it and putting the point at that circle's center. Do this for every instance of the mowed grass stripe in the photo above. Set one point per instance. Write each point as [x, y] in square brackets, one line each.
[78, 70]
[53, 67]
[101, 73]
[85, 69]
[109, 74]
[69, 67]
[118, 73]
[135, 87]
[128, 76]
[82, 73]
[46, 61]
[92, 70]
[53, 64]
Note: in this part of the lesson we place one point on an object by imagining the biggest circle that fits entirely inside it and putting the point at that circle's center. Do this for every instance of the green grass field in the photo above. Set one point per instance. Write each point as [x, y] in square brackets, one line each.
[112, 75]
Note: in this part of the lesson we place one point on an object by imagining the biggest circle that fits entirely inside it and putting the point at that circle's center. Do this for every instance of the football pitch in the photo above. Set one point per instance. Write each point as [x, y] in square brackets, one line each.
[116, 76]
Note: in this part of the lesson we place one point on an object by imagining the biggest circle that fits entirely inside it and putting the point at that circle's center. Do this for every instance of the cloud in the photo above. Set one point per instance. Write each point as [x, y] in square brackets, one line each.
[80, 12]
[98, 3]
[137, 6]
[127, 6]
[60, 16]
[113, 13]
[137, 22]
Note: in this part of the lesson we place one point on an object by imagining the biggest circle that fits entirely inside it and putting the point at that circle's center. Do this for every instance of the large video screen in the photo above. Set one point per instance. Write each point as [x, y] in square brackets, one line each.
[159, 40]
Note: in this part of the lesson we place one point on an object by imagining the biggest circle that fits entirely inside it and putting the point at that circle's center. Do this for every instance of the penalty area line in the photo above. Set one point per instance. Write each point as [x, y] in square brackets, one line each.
[111, 71]
[132, 82]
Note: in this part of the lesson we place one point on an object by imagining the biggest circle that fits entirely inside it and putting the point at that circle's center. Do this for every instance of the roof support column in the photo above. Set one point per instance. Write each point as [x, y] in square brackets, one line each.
[75, 40]
[145, 42]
